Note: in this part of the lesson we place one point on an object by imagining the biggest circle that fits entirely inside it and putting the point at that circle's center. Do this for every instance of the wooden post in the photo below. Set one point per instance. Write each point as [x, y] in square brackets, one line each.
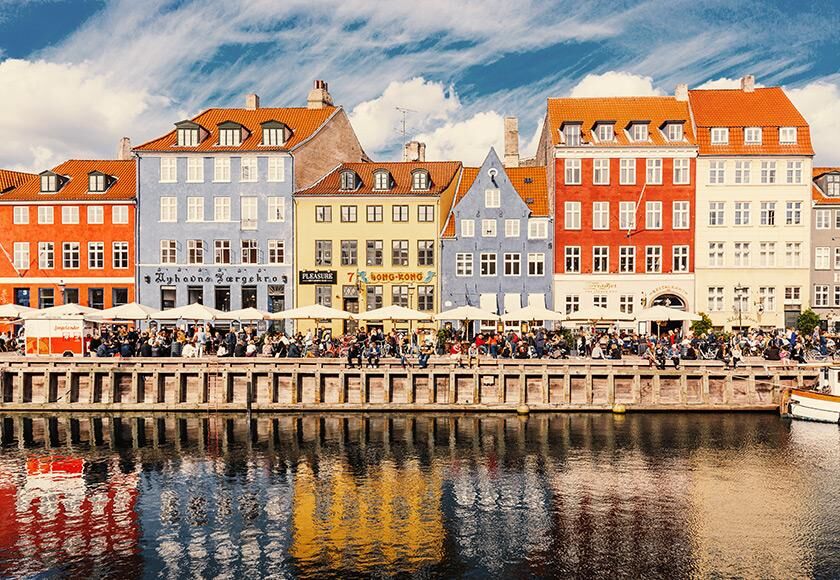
[452, 391]
[588, 384]
[683, 389]
[523, 387]
[546, 388]
[476, 388]
[567, 386]
[705, 395]
[611, 388]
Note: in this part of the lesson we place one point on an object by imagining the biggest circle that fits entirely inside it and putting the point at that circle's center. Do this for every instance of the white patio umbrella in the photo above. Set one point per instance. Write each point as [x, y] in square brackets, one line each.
[14, 311]
[665, 314]
[466, 313]
[393, 313]
[245, 314]
[311, 312]
[196, 312]
[64, 311]
[132, 311]
[598, 314]
[533, 312]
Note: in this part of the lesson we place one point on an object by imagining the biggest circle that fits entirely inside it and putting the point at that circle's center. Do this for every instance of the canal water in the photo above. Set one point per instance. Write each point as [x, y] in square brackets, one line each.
[479, 496]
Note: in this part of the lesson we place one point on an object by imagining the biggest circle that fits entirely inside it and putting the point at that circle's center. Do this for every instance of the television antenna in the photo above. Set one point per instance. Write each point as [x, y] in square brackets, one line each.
[404, 112]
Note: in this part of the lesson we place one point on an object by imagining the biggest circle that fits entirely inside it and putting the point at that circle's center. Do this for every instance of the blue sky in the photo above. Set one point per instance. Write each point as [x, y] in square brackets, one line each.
[75, 76]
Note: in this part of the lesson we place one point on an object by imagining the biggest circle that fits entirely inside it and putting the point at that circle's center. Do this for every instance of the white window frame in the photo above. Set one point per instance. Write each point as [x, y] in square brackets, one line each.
[95, 214]
[572, 173]
[719, 135]
[488, 228]
[221, 208]
[682, 171]
[221, 169]
[627, 216]
[168, 170]
[653, 215]
[492, 198]
[119, 214]
[600, 171]
[248, 170]
[463, 264]
[195, 170]
[653, 171]
[752, 136]
[600, 215]
[276, 209]
[537, 229]
[681, 215]
[512, 228]
[467, 228]
[195, 208]
[571, 214]
[168, 209]
[21, 215]
[276, 169]
[46, 215]
[627, 172]
[787, 135]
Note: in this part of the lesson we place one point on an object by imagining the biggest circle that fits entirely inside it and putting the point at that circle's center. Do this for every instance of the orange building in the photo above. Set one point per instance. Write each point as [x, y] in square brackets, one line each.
[67, 236]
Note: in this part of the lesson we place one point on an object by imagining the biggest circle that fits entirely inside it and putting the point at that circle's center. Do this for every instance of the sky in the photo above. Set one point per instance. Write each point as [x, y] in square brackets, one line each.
[76, 76]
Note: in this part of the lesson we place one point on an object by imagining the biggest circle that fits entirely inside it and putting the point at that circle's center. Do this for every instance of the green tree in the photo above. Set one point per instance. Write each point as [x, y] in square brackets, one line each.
[807, 322]
[702, 326]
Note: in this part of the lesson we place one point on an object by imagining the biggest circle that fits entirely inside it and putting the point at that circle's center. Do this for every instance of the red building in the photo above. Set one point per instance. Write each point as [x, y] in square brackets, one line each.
[622, 174]
[67, 236]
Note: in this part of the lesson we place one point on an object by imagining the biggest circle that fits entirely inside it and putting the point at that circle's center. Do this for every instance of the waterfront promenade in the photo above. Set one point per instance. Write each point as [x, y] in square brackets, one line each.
[240, 385]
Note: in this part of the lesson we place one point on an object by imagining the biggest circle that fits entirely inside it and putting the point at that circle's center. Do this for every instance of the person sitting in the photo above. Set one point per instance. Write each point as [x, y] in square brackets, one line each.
[189, 350]
[425, 354]
[772, 352]
[372, 354]
[597, 353]
[354, 352]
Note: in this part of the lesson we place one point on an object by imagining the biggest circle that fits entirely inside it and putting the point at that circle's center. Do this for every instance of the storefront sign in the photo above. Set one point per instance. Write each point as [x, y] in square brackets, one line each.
[380, 277]
[318, 277]
[166, 277]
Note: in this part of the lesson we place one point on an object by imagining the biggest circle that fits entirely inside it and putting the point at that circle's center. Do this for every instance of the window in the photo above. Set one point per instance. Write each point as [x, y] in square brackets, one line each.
[793, 213]
[119, 255]
[742, 254]
[513, 264]
[681, 218]
[787, 135]
[21, 214]
[767, 298]
[752, 136]
[323, 296]
[536, 264]
[96, 183]
[467, 228]
[168, 252]
[399, 252]
[627, 259]
[45, 214]
[767, 254]
[653, 215]
[626, 215]
[625, 303]
[425, 213]
[600, 215]
[349, 252]
[720, 135]
[488, 264]
[276, 252]
[187, 136]
[323, 213]
[374, 213]
[248, 213]
[601, 171]
[221, 169]
[375, 253]
[742, 299]
[716, 299]
[425, 252]
[195, 209]
[195, 251]
[600, 259]
[381, 180]
[250, 252]
[836, 295]
[716, 213]
[653, 259]
[639, 132]
[46, 297]
[654, 172]
[571, 218]
[680, 258]
[572, 135]
[572, 171]
[420, 180]
[169, 209]
[742, 213]
[511, 228]
[537, 229]
[195, 170]
[323, 253]
[768, 213]
[49, 183]
[832, 185]
[792, 294]
[21, 255]
[794, 172]
[425, 298]
[599, 300]
[276, 208]
[820, 295]
[837, 258]
[71, 255]
[627, 173]
[742, 171]
[221, 252]
[46, 255]
[273, 135]
[119, 214]
[374, 297]
[248, 169]
[348, 180]
[768, 172]
[716, 254]
[399, 296]
[95, 214]
[674, 131]
[793, 254]
[349, 213]
[822, 258]
[463, 264]
[276, 169]
[168, 170]
[230, 136]
[492, 198]
[605, 132]
[572, 259]
[572, 304]
[221, 209]
[399, 213]
[717, 172]
[822, 219]
[682, 176]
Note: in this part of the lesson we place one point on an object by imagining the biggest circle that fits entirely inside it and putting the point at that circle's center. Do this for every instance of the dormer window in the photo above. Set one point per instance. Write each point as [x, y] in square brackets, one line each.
[274, 134]
[97, 182]
[639, 132]
[605, 132]
[188, 134]
[49, 182]
[382, 180]
[832, 184]
[752, 136]
[720, 135]
[230, 135]
[787, 135]
[420, 180]
[674, 132]
[572, 134]
[349, 180]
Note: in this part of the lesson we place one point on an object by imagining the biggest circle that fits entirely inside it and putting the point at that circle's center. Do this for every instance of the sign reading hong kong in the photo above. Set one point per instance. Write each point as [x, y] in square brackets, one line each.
[379, 277]
[218, 277]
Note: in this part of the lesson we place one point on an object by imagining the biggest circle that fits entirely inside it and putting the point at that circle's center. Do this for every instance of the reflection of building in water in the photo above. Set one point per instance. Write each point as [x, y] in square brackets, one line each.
[390, 518]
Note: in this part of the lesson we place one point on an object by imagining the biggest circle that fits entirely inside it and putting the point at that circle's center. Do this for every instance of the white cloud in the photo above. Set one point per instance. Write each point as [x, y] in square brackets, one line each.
[819, 103]
[614, 84]
[468, 140]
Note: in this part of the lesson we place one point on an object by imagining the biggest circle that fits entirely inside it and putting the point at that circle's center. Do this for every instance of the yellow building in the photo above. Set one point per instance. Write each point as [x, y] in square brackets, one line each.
[367, 236]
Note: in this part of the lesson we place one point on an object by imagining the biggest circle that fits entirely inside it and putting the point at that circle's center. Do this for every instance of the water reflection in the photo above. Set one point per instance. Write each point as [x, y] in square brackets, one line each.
[585, 495]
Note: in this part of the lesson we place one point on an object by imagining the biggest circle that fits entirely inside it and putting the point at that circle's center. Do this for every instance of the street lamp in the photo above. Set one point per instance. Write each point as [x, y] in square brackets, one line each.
[740, 292]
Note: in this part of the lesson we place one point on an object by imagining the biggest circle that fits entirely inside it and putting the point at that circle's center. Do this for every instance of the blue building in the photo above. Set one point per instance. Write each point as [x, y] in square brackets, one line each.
[496, 246]
[215, 212]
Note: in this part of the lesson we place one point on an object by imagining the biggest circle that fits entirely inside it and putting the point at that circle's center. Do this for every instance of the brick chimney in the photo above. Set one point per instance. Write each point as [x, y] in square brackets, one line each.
[319, 97]
[415, 151]
[511, 142]
[748, 83]
[124, 149]
[252, 101]
[681, 92]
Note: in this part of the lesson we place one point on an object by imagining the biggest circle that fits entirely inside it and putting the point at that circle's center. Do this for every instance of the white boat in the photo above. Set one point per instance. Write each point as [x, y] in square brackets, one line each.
[819, 404]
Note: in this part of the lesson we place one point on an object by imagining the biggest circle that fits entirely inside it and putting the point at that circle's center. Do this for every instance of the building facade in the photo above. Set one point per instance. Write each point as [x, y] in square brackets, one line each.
[496, 247]
[825, 240]
[753, 206]
[69, 236]
[215, 201]
[623, 199]
[367, 236]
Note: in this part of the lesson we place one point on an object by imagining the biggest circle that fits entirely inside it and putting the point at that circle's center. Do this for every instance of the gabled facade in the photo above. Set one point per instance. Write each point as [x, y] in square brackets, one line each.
[496, 245]
[215, 201]
[825, 241]
[69, 236]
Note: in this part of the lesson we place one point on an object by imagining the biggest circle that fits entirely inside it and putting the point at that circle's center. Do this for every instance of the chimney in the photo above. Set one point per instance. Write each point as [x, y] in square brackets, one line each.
[415, 151]
[252, 101]
[681, 92]
[124, 149]
[319, 97]
[748, 84]
[511, 142]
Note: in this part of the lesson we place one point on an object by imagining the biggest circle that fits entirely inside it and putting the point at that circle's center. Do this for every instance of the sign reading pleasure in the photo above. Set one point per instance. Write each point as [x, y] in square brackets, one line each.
[318, 277]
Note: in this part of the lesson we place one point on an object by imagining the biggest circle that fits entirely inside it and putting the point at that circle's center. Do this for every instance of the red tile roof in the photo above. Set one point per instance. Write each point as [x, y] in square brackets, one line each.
[441, 173]
[816, 193]
[12, 179]
[76, 188]
[622, 111]
[302, 121]
[768, 108]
